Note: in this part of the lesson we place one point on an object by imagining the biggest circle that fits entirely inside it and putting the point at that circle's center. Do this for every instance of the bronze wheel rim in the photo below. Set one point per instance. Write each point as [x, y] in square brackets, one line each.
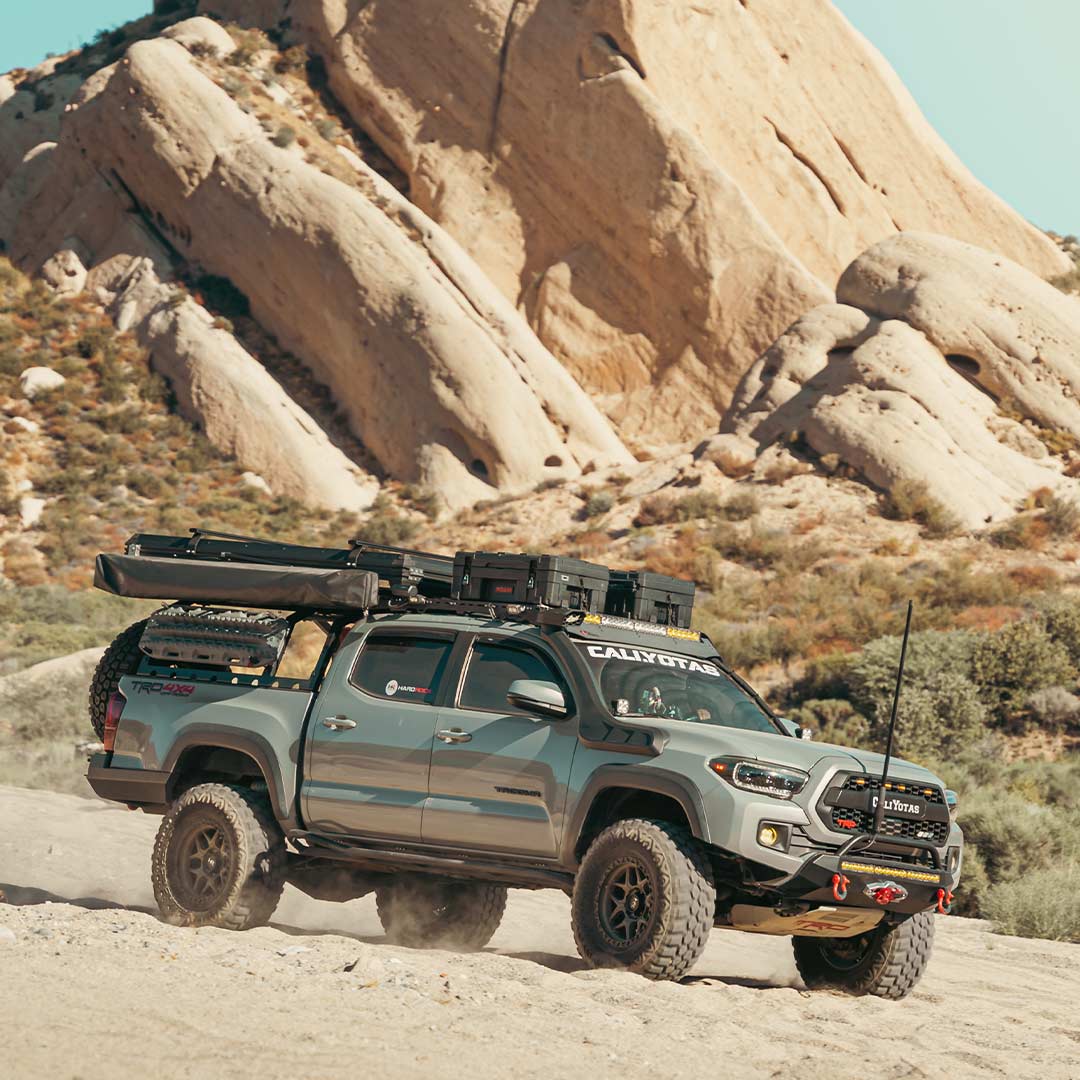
[627, 903]
[201, 863]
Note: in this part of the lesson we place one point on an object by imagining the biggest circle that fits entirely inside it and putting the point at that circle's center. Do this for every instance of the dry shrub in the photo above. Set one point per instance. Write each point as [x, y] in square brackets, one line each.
[808, 523]
[589, 544]
[22, 564]
[784, 469]
[680, 559]
[910, 500]
[1034, 578]
[1021, 533]
[987, 617]
[1061, 516]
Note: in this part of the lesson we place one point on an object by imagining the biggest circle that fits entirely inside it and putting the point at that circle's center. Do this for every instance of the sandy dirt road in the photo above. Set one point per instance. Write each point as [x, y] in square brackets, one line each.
[92, 985]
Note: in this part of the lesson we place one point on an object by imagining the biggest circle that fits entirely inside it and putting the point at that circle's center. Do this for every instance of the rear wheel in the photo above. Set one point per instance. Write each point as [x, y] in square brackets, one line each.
[120, 658]
[644, 899]
[219, 859]
[434, 913]
[887, 961]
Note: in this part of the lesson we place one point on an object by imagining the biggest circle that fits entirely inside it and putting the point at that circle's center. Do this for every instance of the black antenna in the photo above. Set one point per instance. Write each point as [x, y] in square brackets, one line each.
[879, 812]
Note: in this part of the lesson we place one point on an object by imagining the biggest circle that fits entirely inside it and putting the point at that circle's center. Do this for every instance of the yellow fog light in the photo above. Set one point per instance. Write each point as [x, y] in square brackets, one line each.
[768, 836]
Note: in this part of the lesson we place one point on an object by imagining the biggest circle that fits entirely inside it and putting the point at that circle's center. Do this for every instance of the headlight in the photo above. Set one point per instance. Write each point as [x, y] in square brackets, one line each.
[779, 781]
[952, 801]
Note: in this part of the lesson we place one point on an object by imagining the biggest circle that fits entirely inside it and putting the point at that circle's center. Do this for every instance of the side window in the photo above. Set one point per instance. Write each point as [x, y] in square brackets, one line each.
[492, 668]
[401, 667]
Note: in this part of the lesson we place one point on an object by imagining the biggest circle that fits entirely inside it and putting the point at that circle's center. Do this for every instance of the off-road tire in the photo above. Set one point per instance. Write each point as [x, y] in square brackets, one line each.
[120, 658]
[680, 897]
[420, 912]
[894, 961]
[252, 858]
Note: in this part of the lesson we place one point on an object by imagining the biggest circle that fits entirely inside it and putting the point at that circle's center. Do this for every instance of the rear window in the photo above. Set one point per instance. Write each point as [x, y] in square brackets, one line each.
[401, 668]
[635, 681]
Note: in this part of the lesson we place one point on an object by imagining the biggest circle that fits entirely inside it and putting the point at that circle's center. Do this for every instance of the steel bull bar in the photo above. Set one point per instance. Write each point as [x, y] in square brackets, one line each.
[852, 877]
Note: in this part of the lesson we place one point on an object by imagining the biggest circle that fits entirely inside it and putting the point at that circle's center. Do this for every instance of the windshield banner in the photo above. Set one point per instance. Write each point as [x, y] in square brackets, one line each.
[607, 651]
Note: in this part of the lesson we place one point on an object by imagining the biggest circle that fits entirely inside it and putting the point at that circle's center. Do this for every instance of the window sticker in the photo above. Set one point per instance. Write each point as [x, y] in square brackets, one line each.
[645, 656]
[394, 687]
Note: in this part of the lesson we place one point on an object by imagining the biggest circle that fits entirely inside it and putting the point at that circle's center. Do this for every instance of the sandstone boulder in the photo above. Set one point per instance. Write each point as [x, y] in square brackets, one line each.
[64, 272]
[1008, 331]
[244, 412]
[661, 187]
[201, 35]
[919, 374]
[39, 380]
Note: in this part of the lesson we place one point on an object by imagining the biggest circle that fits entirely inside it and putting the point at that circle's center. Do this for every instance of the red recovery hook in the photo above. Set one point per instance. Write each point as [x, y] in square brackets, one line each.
[944, 901]
[840, 887]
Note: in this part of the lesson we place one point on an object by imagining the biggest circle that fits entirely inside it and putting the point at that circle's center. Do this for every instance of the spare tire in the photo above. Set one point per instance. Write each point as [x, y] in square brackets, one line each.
[121, 658]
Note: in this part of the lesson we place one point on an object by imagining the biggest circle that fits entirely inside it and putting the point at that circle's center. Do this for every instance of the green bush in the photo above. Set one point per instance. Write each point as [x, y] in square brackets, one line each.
[974, 884]
[833, 720]
[1041, 904]
[1015, 836]
[1061, 617]
[598, 503]
[1052, 708]
[940, 706]
[1016, 660]
[284, 137]
[910, 500]
[740, 507]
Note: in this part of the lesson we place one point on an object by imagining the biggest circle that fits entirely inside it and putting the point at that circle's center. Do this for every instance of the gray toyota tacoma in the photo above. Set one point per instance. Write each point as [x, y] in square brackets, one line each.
[436, 735]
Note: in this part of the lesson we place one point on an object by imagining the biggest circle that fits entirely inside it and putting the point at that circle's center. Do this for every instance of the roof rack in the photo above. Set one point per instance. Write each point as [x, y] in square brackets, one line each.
[212, 567]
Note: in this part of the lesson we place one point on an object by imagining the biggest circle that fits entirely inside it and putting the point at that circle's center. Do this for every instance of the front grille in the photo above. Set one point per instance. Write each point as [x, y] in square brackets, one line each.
[846, 819]
[929, 792]
[934, 831]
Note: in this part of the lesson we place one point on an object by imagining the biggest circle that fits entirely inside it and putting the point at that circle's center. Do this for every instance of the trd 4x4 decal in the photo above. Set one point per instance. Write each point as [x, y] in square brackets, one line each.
[174, 689]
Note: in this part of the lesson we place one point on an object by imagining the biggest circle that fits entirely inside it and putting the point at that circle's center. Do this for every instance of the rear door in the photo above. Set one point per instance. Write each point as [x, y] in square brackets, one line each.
[499, 775]
[369, 743]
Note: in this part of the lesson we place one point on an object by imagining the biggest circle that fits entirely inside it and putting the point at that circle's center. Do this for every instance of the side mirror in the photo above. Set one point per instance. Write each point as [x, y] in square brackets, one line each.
[795, 730]
[536, 696]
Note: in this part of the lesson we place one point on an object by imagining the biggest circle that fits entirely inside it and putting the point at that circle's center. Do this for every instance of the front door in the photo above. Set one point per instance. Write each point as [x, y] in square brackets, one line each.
[499, 775]
[369, 744]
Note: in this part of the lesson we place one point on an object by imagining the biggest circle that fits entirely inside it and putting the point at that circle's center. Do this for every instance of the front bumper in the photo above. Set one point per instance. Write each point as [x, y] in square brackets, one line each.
[858, 881]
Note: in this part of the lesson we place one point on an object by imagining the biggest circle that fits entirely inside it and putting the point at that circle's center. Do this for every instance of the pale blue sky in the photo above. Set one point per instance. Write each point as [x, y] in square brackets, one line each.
[998, 78]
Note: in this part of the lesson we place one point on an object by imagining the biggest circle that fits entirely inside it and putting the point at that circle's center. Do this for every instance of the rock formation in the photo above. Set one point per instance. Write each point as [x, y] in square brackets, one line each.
[919, 372]
[439, 376]
[661, 187]
[606, 211]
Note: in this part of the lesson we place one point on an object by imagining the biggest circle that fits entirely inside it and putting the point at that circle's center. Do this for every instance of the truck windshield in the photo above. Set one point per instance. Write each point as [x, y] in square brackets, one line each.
[655, 683]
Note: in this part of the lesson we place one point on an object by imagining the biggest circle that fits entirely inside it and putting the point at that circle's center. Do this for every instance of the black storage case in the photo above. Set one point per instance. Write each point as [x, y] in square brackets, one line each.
[402, 570]
[551, 580]
[655, 598]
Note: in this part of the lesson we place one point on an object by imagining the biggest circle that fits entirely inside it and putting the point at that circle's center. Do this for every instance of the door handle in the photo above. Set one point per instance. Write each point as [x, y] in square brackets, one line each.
[453, 735]
[338, 723]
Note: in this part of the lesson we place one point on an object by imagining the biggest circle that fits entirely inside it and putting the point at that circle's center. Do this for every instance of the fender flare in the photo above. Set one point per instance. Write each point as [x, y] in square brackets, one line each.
[635, 778]
[250, 743]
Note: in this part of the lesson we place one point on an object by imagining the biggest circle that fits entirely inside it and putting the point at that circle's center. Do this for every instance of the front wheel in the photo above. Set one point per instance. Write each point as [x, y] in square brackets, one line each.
[887, 961]
[219, 859]
[433, 913]
[644, 899]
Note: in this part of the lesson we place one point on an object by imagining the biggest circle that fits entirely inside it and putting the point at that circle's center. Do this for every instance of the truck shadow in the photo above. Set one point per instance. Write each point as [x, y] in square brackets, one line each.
[26, 895]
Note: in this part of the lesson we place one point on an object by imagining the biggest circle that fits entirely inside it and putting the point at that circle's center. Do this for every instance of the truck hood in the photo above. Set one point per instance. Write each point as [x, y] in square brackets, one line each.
[779, 749]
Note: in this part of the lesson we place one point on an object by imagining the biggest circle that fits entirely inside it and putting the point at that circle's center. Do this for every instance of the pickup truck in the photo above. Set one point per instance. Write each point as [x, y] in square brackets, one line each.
[439, 758]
